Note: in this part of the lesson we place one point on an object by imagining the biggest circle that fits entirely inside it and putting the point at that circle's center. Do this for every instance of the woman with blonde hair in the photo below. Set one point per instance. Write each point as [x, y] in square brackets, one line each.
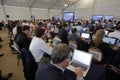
[98, 37]
[103, 47]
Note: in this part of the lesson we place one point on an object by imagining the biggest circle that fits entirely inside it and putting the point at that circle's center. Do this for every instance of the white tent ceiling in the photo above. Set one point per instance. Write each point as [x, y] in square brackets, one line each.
[46, 4]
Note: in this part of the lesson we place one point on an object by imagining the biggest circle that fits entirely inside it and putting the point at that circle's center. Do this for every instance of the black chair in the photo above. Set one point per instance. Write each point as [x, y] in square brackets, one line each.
[29, 64]
[19, 52]
[112, 73]
[96, 72]
[116, 59]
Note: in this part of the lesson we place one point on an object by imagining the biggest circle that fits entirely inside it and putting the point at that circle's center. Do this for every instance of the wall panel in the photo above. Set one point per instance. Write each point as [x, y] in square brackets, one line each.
[2, 16]
[17, 12]
[40, 13]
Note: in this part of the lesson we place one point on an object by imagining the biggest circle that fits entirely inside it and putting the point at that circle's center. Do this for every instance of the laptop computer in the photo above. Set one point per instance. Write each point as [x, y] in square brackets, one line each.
[80, 59]
[85, 35]
[106, 32]
[109, 40]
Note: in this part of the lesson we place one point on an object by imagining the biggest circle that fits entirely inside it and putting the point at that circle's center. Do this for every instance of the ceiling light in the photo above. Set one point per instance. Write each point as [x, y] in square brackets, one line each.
[66, 5]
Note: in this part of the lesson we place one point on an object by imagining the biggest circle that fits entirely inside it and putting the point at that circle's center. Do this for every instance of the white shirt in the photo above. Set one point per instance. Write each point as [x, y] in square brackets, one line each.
[38, 47]
[115, 34]
[14, 31]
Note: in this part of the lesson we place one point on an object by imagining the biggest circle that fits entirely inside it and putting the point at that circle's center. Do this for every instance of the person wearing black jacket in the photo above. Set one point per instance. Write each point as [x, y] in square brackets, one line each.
[56, 69]
[63, 33]
[22, 38]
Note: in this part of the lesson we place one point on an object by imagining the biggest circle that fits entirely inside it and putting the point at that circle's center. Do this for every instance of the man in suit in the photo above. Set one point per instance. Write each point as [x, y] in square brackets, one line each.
[56, 69]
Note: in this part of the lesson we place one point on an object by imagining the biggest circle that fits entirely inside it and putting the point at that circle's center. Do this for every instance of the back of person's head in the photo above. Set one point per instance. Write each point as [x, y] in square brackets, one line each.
[72, 45]
[19, 29]
[25, 28]
[99, 37]
[98, 26]
[79, 23]
[73, 30]
[100, 33]
[118, 23]
[59, 53]
[39, 32]
[117, 27]
[65, 25]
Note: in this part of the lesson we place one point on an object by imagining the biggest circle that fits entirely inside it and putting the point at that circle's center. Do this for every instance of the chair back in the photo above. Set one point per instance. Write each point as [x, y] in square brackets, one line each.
[72, 44]
[112, 71]
[97, 54]
[29, 64]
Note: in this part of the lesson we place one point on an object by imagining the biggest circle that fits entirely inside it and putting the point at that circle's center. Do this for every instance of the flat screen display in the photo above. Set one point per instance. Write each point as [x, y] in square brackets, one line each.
[56, 17]
[68, 16]
[97, 17]
[108, 18]
[76, 17]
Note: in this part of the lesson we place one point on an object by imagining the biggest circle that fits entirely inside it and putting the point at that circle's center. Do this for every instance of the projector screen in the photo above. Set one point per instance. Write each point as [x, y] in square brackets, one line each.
[68, 16]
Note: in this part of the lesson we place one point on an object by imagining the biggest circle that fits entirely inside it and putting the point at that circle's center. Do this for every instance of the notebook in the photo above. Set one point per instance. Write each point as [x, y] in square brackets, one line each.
[109, 40]
[85, 35]
[80, 59]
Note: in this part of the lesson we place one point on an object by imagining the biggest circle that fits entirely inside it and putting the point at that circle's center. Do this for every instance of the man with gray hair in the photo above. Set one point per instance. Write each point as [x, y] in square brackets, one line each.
[56, 69]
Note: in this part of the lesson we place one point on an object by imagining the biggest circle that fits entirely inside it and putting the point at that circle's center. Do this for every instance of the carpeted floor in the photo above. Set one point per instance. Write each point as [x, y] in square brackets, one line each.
[8, 62]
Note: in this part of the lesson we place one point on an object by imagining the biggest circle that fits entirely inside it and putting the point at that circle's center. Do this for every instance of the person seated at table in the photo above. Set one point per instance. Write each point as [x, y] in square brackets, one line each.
[38, 46]
[56, 69]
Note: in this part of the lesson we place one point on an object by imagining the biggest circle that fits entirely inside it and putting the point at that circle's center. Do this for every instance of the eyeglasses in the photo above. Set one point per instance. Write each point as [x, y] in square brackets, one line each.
[70, 56]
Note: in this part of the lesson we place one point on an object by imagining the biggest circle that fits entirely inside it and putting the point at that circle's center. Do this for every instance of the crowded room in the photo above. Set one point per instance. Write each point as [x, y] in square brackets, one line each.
[59, 40]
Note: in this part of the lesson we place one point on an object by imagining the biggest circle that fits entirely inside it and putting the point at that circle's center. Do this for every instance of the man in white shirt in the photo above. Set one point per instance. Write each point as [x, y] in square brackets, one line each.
[38, 46]
[116, 33]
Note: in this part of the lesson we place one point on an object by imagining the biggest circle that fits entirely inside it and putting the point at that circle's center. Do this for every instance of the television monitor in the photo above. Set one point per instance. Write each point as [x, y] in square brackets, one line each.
[67, 16]
[56, 17]
[97, 17]
[109, 40]
[76, 17]
[109, 17]
[82, 59]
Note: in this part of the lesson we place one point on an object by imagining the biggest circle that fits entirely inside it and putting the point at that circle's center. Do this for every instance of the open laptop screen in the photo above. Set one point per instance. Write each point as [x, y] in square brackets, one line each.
[109, 40]
[85, 35]
[82, 59]
[106, 32]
